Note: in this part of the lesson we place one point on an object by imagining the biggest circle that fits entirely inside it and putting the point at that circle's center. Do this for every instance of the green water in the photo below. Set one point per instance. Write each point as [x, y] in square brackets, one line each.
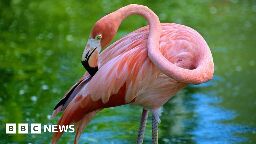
[41, 43]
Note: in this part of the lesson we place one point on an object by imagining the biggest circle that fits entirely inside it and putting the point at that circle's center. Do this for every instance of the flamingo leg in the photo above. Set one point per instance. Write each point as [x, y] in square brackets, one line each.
[155, 122]
[143, 123]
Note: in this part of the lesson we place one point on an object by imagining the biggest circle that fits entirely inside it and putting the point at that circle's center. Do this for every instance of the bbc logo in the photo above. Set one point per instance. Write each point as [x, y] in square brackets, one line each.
[11, 128]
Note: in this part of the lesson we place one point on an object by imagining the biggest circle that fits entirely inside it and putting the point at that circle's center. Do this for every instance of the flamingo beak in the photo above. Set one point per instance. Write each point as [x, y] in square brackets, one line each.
[90, 56]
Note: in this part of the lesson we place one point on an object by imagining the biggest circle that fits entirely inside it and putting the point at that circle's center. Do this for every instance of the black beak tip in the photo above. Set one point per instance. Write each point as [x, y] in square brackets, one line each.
[91, 70]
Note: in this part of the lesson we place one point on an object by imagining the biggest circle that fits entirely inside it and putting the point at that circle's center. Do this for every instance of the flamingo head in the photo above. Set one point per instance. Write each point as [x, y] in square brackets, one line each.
[101, 35]
[90, 54]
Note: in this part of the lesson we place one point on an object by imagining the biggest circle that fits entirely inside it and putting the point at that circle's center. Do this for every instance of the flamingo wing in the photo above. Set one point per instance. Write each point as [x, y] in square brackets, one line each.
[70, 94]
[115, 83]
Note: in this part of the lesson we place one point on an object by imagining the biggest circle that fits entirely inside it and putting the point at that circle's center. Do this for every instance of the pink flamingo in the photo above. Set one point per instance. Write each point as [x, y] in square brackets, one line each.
[147, 67]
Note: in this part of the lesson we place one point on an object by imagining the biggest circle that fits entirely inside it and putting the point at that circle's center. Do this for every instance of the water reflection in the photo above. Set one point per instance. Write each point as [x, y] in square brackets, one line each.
[210, 125]
[197, 117]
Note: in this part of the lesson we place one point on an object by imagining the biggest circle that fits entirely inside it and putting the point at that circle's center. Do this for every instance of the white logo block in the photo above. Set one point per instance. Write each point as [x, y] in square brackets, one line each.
[10, 128]
[23, 128]
[35, 128]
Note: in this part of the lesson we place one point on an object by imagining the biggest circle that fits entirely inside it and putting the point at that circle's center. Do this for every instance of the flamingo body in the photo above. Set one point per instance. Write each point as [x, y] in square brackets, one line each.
[128, 70]
[126, 74]
[126, 62]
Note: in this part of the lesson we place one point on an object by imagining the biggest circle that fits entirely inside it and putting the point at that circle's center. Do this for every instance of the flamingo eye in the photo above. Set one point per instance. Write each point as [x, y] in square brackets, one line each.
[98, 37]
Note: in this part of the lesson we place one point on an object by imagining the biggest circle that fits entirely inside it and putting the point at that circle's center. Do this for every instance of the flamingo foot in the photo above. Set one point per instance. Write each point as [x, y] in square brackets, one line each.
[143, 123]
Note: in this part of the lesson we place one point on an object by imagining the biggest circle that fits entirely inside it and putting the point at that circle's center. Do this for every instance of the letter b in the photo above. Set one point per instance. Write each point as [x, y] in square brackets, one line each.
[10, 128]
[23, 128]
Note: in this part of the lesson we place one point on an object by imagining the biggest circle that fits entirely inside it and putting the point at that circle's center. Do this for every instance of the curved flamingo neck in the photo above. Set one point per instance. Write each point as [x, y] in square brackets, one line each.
[149, 15]
[205, 68]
